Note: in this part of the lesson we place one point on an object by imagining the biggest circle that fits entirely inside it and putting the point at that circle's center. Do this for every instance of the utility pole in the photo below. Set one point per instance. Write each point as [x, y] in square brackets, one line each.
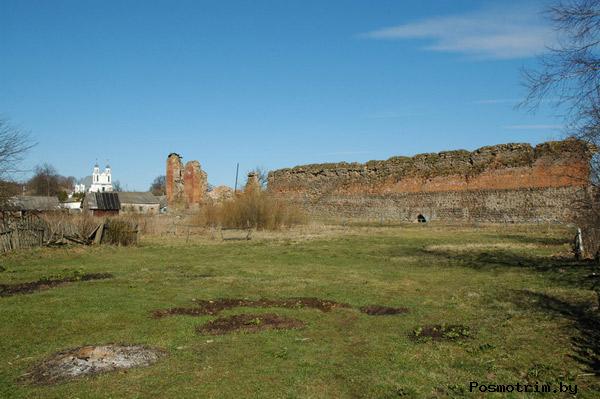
[237, 169]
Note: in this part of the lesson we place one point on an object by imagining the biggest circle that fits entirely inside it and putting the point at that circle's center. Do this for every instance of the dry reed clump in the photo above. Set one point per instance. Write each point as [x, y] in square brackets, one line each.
[251, 209]
[61, 224]
[146, 223]
[120, 231]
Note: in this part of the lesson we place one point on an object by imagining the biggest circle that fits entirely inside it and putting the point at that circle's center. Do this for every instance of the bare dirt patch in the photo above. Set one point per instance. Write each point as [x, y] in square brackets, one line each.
[249, 323]
[377, 310]
[88, 360]
[206, 307]
[45, 283]
[437, 332]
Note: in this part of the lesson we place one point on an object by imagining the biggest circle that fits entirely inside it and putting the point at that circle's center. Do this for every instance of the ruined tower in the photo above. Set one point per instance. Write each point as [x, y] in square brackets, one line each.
[252, 184]
[195, 184]
[174, 180]
[186, 186]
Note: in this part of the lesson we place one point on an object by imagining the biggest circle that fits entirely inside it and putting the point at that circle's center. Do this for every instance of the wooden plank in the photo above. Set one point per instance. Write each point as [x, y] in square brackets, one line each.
[99, 234]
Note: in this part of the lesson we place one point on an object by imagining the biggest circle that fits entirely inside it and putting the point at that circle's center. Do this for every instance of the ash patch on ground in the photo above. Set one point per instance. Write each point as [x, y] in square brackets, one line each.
[45, 283]
[89, 360]
[249, 323]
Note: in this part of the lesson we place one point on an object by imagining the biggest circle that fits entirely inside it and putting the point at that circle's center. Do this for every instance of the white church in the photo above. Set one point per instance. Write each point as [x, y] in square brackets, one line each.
[100, 181]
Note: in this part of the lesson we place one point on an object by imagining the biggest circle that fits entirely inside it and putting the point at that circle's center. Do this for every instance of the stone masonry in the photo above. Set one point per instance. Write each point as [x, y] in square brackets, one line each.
[195, 184]
[186, 186]
[501, 183]
[252, 183]
[174, 180]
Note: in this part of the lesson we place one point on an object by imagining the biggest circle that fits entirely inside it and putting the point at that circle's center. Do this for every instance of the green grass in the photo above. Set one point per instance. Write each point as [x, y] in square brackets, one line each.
[527, 310]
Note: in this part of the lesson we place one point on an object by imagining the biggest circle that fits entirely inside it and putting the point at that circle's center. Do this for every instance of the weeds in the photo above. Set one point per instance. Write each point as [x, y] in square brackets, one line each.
[251, 209]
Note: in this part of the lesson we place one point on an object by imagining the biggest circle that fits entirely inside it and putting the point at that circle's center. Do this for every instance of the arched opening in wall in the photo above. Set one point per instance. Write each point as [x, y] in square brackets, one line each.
[421, 219]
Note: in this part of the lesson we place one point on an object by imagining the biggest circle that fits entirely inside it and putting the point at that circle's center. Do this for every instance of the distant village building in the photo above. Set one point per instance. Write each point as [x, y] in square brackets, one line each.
[111, 204]
[24, 204]
[100, 200]
[101, 204]
[72, 205]
[139, 202]
[101, 182]
[98, 182]
[79, 188]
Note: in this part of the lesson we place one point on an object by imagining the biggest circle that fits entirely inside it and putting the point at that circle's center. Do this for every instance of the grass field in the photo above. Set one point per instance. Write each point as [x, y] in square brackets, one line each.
[529, 311]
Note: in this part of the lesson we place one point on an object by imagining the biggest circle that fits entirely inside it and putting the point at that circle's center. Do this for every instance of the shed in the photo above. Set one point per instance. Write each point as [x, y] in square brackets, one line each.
[139, 202]
[102, 203]
[32, 204]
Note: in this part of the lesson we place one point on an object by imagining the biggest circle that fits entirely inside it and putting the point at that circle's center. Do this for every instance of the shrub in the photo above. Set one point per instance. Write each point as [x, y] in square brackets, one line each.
[251, 209]
[120, 231]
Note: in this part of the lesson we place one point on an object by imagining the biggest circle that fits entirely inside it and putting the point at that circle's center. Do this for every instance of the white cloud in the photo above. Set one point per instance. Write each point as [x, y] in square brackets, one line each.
[534, 127]
[500, 33]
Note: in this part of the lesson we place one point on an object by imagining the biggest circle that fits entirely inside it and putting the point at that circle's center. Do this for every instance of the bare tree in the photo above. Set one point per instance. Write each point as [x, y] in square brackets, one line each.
[117, 186]
[159, 185]
[14, 144]
[568, 75]
[44, 180]
[48, 182]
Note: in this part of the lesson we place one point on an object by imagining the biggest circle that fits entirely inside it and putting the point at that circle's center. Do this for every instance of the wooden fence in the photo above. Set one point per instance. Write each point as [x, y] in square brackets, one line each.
[17, 232]
[31, 230]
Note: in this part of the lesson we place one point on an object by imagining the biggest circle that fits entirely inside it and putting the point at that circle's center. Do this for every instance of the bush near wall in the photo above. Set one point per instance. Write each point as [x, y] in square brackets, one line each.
[250, 209]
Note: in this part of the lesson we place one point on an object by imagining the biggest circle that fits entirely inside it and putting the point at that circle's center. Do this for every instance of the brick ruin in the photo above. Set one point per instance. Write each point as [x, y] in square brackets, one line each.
[502, 183]
[186, 186]
[252, 183]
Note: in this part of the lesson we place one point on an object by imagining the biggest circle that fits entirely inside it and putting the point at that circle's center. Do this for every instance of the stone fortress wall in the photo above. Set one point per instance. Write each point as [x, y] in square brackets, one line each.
[501, 183]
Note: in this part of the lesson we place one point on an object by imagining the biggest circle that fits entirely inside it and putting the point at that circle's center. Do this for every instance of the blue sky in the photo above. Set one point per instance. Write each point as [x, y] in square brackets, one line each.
[265, 83]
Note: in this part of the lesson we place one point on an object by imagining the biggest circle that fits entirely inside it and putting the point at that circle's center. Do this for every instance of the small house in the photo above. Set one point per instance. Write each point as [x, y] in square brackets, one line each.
[139, 202]
[101, 204]
[24, 204]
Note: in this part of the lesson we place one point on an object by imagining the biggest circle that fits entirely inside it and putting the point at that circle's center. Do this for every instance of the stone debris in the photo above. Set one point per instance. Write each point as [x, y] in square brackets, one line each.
[220, 193]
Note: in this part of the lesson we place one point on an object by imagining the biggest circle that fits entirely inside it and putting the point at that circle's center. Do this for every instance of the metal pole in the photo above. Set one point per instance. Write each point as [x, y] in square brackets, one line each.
[237, 169]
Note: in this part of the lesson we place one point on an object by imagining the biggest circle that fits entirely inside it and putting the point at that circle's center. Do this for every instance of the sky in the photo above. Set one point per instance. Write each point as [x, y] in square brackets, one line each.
[271, 84]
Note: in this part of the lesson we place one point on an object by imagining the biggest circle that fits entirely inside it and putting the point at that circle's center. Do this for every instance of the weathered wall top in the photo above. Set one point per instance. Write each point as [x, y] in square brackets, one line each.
[460, 161]
[503, 166]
